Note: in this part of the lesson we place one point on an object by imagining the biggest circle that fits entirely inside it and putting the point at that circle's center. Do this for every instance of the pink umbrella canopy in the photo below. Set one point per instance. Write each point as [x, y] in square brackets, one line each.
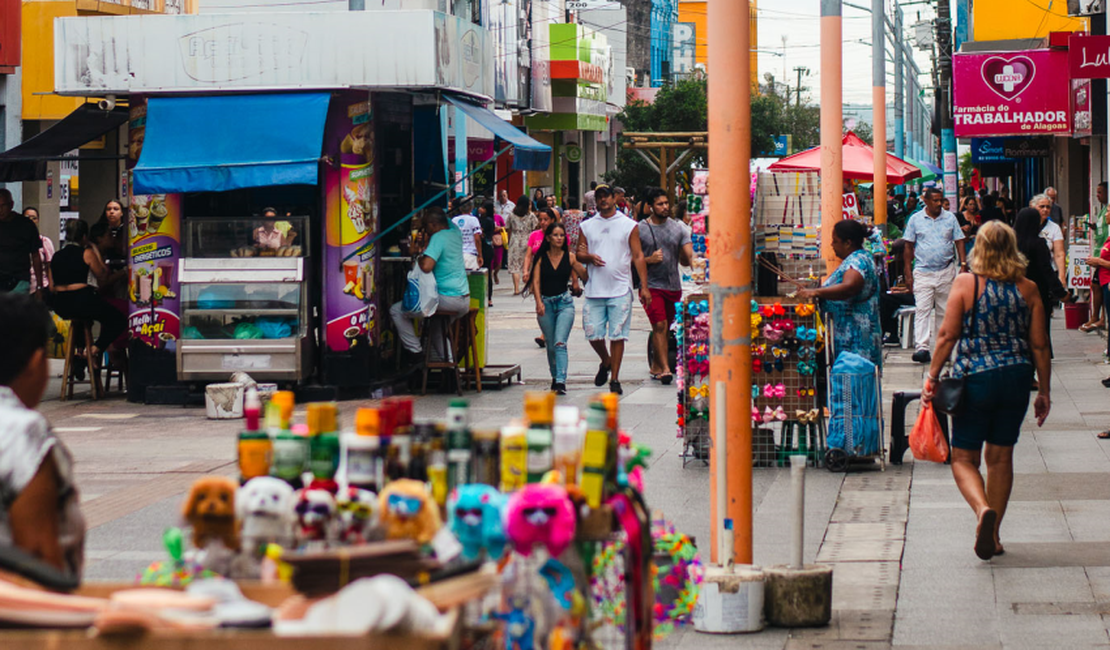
[859, 162]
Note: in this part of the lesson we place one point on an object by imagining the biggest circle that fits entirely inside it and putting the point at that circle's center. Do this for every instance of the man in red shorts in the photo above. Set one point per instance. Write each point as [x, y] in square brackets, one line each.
[665, 243]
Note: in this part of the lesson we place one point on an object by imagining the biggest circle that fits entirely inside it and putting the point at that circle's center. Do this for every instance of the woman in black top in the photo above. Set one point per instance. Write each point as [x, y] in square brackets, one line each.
[1027, 226]
[485, 218]
[554, 267]
[74, 297]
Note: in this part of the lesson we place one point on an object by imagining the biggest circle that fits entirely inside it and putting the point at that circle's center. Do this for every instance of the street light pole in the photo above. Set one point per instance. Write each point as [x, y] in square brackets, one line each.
[878, 99]
[730, 236]
[832, 123]
[944, 96]
[899, 98]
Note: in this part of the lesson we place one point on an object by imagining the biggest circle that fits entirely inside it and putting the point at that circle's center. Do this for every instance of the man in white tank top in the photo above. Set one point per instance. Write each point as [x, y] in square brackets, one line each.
[609, 245]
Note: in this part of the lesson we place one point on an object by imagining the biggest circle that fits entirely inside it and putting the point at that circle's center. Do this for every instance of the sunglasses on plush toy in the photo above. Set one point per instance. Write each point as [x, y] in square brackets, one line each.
[404, 506]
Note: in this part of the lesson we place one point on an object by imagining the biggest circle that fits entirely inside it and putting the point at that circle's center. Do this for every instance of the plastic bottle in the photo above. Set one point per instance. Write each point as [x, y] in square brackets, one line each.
[400, 442]
[539, 408]
[595, 453]
[254, 448]
[458, 443]
[485, 462]
[514, 457]
[361, 449]
[290, 457]
[284, 400]
[568, 443]
[421, 440]
[323, 440]
[437, 466]
[252, 409]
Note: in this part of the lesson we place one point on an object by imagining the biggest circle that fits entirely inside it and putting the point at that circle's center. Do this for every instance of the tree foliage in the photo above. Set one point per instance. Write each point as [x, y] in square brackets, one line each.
[864, 131]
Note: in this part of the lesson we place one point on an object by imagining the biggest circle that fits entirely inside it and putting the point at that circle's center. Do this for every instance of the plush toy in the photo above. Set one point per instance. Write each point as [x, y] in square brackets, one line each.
[540, 513]
[520, 628]
[408, 512]
[264, 506]
[358, 514]
[210, 510]
[315, 512]
[475, 515]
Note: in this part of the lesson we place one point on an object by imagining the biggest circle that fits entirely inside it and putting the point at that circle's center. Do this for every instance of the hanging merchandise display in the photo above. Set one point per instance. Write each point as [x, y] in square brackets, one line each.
[697, 205]
[787, 226]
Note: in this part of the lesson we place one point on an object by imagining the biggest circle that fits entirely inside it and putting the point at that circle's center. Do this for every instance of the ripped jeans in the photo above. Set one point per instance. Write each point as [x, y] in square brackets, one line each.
[556, 323]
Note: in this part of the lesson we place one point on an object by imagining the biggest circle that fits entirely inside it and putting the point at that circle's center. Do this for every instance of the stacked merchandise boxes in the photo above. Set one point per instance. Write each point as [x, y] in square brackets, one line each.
[787, 222]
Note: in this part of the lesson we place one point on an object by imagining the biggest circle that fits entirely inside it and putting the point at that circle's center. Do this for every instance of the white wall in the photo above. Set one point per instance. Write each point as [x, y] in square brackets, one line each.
[11, 125]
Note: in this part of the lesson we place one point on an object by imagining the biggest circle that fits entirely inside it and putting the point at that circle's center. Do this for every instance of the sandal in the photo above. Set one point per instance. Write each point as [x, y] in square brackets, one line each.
[666, 378]
[655, 376]
[984, 535]
[1104, 435]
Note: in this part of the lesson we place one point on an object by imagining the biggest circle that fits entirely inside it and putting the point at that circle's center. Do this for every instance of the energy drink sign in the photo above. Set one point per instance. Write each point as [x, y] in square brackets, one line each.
[350, 221]
[154, 237]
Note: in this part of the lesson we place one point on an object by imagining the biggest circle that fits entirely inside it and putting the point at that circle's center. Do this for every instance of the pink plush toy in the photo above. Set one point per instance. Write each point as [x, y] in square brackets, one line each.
[540, 513]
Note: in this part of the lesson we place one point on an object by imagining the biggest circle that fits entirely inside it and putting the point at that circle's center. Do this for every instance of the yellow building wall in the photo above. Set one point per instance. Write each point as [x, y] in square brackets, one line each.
[994, 20]
[38, 61]
[696, 11]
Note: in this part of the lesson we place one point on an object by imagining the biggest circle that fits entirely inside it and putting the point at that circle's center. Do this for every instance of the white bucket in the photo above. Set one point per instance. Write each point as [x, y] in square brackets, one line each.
[224, 401]
[730, 601]
[265, 392]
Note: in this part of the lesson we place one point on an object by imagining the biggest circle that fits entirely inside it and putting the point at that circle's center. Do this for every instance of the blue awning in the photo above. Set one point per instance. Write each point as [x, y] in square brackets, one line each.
[226, 142]
[528, 154]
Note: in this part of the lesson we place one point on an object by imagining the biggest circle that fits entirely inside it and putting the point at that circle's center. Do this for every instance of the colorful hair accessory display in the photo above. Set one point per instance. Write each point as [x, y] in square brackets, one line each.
[757, 320]
[779, 366]
[777, 309]
[806, 352]
[805, 391]
[777, 390]
[777, 414]
[772, 334]
[755, 307]
[805, 309]
[755, 414]
[785, 324]
[780, 352]
[540, 513]
[807, 368]
[757, 365]
[768, 311]
[807, 334]
[806, 417]
[759, 350]
[699, 391]
[755, 391]
[678, 572]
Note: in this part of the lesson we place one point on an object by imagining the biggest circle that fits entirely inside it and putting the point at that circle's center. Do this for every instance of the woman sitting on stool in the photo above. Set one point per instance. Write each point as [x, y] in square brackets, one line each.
[74, 298]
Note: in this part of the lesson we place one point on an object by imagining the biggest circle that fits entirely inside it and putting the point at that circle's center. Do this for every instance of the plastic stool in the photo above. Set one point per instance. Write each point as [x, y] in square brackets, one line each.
[899, 442]
[93, 369]
[905, 316]
[810, 441]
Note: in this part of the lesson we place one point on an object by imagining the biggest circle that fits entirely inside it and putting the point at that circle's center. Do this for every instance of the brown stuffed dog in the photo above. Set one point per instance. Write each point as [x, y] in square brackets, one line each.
[210, 510]
[408, 511]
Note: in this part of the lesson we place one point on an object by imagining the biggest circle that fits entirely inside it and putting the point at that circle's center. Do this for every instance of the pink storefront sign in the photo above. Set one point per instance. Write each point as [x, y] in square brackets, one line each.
[1089, 57]
[1011, 93]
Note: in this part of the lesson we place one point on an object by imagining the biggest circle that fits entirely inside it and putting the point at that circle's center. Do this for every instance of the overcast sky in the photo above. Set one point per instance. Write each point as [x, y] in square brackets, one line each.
[799, 21]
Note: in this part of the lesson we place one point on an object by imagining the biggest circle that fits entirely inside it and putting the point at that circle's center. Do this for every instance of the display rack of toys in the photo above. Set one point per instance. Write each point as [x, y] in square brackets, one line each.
[787, 341]
[532, 536]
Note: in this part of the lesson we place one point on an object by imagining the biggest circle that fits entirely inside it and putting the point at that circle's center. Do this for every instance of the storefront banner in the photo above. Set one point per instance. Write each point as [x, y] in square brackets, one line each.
[989, 150]
[1027, 147]
[1079, 274]
[1081, 107]
[1089, 56]
[476, 150]
[351, 220]
[1011, 93]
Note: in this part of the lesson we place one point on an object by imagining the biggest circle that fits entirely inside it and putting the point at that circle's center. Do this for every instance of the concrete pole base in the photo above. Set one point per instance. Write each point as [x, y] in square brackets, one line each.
[798, 597]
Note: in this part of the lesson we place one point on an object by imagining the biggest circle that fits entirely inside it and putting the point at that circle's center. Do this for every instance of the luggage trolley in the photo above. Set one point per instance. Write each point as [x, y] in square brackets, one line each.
[855, 430]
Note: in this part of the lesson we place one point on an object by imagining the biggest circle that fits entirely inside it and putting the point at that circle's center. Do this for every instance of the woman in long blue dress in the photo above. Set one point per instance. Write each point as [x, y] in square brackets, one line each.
[850, 296]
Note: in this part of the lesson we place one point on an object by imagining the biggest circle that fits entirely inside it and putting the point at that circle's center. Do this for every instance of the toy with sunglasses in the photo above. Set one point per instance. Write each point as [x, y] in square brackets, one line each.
[540, 514]
[315, 515]
[408, 511]
[474, 513]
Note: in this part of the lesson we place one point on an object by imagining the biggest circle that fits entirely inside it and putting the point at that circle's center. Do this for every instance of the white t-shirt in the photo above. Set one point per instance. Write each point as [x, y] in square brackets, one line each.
[1051, 233]
[470, 226]
[608, 239]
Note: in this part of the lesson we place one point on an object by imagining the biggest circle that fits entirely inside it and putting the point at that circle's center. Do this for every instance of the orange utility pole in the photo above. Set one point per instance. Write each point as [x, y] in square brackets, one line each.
[832, 123]
[730, 423]
[878, 102]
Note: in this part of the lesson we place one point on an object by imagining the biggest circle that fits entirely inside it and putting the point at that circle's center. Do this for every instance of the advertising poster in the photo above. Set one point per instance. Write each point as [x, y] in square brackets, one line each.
[1079, 274]
[351, 309]
[1011, 93]
[154, 237]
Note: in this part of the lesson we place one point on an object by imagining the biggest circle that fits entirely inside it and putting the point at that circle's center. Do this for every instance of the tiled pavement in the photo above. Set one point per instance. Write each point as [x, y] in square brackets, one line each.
[900, 541]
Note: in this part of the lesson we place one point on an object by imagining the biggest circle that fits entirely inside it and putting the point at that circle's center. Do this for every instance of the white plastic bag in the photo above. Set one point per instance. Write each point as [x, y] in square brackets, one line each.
[421, 295]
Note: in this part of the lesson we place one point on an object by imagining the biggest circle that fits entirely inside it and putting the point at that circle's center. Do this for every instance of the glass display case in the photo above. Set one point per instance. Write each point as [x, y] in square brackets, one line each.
[246, 237]
[244, 313]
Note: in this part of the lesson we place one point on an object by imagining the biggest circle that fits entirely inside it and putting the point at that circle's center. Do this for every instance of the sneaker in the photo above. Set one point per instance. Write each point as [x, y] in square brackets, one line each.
[602, 375]
[1106, 382]
[922, 356]
[560, 389]
[615, 387]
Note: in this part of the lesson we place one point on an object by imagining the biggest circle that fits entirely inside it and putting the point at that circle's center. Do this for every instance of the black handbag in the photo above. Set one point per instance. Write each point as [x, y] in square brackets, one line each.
[949, 395]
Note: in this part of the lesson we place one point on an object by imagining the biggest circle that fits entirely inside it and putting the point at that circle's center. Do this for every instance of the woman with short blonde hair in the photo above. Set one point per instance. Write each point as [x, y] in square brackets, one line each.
[996, 317]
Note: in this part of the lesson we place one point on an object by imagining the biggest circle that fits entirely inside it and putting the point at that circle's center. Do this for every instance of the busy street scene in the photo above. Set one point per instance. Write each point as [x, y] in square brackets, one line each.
[554, 324]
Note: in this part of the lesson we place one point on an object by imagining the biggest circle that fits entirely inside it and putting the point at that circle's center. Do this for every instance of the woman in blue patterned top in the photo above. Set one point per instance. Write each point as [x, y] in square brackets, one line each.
[851, 295]
[996, 322]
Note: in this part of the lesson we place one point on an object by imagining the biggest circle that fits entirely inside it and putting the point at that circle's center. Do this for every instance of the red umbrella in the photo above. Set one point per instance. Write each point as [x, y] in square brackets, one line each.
[859, 162]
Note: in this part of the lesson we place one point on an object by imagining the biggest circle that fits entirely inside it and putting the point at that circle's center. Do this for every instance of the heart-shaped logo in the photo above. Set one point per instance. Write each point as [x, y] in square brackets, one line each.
[1008, 77]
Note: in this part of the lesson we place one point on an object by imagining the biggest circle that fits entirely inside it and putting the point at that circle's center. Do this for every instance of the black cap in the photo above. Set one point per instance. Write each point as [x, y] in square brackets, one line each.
[603, 189]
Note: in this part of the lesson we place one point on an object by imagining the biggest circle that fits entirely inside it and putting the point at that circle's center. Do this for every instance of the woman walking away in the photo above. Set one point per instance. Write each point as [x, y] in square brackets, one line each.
[1038, 268]
[520, 224]
[555, 267]
[489, 228]
[1101, 265]
[996, 320]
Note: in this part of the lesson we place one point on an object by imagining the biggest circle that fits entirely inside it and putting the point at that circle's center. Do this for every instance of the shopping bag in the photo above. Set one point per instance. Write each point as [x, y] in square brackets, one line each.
[926, 438]
[421, 295]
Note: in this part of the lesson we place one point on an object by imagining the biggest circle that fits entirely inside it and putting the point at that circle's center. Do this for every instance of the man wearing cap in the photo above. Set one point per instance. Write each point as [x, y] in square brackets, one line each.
[609, 244]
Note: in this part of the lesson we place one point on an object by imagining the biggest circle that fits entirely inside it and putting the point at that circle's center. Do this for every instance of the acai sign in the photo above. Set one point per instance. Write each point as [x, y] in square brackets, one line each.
[1089, 57]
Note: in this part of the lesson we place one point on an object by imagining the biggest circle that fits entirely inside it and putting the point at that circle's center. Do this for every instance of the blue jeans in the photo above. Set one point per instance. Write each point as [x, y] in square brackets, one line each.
[556, 323]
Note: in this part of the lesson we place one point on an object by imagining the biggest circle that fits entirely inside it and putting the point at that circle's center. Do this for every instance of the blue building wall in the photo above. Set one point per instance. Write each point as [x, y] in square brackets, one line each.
[664, 13]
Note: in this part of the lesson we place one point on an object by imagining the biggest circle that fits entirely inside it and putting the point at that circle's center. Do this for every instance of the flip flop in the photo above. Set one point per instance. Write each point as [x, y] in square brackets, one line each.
[1087, 327]
[999, 550]
[1104, 435]
[666, 379]
[654, 376]
[984, 535]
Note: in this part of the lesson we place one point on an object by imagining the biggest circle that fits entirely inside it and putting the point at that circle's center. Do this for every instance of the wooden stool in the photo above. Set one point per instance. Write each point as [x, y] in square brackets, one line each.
[468, 348]
[117, 365]
[449, 332]
[93, 369]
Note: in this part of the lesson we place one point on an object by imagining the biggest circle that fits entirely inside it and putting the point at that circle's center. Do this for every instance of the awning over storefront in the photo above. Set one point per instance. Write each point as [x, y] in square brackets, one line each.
[27, 162]
[528, 154]
[226, 142]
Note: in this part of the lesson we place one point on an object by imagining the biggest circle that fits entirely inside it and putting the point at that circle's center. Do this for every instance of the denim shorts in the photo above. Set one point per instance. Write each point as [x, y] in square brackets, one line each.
[994, 407]
[607, 316]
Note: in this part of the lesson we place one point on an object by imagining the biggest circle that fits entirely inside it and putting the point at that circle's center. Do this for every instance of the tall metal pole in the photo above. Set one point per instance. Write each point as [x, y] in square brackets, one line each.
[832, 121]
[878, 102]
[899, 98]
[730, 126]
[947, 128]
